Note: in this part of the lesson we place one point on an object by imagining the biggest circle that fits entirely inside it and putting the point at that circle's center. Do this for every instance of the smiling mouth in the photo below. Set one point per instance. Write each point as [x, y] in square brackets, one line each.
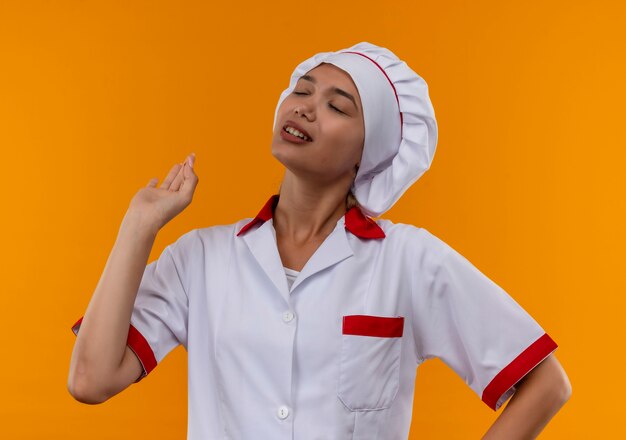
[296, 133]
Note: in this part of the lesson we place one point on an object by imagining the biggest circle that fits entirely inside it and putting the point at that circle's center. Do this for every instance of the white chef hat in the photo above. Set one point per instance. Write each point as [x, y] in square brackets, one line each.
[400, 124]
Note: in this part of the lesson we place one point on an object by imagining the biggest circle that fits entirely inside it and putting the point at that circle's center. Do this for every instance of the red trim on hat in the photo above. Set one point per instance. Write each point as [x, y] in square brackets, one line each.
[386, 76]
[517, 369]
[138, 344]
[368, 325]
[355, 221]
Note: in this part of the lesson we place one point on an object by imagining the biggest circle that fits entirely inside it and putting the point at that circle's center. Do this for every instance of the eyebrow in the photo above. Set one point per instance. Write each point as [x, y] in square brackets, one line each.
[333, 90]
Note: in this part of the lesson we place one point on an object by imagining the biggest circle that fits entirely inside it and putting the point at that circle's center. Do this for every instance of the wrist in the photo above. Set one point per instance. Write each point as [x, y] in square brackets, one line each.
[139, 225]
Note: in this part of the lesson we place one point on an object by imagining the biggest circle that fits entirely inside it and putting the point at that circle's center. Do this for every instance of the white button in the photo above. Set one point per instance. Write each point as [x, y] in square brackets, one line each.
[288, 316]
[283, 412]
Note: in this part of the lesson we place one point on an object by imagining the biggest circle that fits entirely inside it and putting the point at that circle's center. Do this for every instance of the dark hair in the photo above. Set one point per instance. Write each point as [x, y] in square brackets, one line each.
[351, 201]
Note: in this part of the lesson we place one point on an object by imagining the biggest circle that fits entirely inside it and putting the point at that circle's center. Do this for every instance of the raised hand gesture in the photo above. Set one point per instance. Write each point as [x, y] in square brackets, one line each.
[157, 206]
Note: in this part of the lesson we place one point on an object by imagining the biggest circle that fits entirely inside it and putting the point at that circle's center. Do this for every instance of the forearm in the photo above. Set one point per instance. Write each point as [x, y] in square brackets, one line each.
[538, 398]
[101, 341]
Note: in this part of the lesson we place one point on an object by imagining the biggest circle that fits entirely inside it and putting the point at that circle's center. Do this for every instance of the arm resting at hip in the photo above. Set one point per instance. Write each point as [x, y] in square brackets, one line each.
[539, 396]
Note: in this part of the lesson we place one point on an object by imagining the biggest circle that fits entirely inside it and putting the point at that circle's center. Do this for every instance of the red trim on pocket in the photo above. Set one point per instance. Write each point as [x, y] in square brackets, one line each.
[368, 325]
[138, 344]
[517, 369]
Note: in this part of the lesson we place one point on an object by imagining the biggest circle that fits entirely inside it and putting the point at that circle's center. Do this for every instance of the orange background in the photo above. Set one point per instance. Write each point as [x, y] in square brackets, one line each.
[527, 182]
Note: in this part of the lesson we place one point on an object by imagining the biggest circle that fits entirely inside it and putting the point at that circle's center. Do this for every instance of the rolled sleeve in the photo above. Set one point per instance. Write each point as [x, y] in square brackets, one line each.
[159, 318]
[476, 328]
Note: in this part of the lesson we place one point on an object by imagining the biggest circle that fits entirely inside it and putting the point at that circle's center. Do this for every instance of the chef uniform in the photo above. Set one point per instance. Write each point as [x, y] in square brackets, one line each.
[333, 353]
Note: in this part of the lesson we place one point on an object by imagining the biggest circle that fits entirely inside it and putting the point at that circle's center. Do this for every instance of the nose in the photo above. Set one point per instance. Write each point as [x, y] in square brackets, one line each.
[305, 109]
[310, 116]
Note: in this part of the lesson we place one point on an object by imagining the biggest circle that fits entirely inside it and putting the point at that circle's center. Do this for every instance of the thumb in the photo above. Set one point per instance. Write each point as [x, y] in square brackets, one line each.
[152, 182]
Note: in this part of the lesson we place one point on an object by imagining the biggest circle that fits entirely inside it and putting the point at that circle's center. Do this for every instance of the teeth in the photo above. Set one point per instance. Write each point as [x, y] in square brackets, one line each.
[296, 133]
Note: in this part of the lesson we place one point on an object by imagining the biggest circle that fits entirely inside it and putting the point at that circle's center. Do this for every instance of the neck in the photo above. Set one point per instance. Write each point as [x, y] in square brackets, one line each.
[306, 211]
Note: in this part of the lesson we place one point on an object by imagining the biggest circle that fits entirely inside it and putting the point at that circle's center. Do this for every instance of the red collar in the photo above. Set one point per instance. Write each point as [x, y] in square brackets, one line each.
[356, 222]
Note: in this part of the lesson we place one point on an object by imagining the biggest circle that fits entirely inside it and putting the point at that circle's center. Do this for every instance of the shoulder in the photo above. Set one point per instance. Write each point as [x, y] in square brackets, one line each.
[215, 235]
[419, 241]
[205, 235]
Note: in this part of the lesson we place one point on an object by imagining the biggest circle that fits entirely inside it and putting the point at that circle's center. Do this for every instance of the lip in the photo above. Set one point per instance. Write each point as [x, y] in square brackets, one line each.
[291, 138]
[299, 128]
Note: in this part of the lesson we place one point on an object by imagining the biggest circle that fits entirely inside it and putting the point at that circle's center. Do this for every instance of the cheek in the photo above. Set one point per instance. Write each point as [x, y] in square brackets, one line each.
[281, 110]
[352, 139]
[279, 115]
[341, 149]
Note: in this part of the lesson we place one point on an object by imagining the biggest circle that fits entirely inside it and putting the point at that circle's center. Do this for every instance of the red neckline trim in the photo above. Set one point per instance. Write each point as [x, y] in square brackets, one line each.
[355, 221]
[395, 92]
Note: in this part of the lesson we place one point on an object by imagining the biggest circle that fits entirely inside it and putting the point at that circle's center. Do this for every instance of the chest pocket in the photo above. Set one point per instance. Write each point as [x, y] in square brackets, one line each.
[369, 370]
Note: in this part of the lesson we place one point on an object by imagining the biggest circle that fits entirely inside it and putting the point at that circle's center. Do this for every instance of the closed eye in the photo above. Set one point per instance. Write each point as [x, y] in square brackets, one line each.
[330, 105]
[335, 108]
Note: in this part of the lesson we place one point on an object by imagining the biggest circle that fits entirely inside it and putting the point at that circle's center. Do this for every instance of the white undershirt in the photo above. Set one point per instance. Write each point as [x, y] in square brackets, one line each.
[291, 275]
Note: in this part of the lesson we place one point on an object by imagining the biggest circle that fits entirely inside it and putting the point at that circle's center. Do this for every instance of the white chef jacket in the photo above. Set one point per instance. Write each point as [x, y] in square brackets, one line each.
[335, 355]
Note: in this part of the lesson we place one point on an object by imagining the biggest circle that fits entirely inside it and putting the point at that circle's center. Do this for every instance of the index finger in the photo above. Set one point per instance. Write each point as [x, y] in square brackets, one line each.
[171, 176]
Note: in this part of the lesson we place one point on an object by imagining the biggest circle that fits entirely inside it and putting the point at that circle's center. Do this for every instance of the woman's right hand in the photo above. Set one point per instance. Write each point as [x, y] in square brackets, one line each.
[157, 206]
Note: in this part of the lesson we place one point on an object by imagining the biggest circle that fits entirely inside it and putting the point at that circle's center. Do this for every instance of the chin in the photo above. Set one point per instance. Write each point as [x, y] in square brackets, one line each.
[282, 151]
[281, 157]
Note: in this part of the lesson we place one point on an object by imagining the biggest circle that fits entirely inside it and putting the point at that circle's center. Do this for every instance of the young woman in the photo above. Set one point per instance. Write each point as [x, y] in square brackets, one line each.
[309, 320]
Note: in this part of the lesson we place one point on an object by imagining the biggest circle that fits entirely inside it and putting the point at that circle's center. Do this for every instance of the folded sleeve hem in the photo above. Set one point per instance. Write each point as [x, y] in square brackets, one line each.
[138, 344]
[500, 387]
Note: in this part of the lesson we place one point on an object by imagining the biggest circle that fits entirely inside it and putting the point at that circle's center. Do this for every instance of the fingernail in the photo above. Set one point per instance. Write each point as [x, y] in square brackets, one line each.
[190, 161]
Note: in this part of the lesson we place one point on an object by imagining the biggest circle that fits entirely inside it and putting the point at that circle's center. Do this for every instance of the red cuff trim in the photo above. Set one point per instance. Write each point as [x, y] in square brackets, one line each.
[368, 325]
[517, 369]
[76, 326]
[138, 344]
